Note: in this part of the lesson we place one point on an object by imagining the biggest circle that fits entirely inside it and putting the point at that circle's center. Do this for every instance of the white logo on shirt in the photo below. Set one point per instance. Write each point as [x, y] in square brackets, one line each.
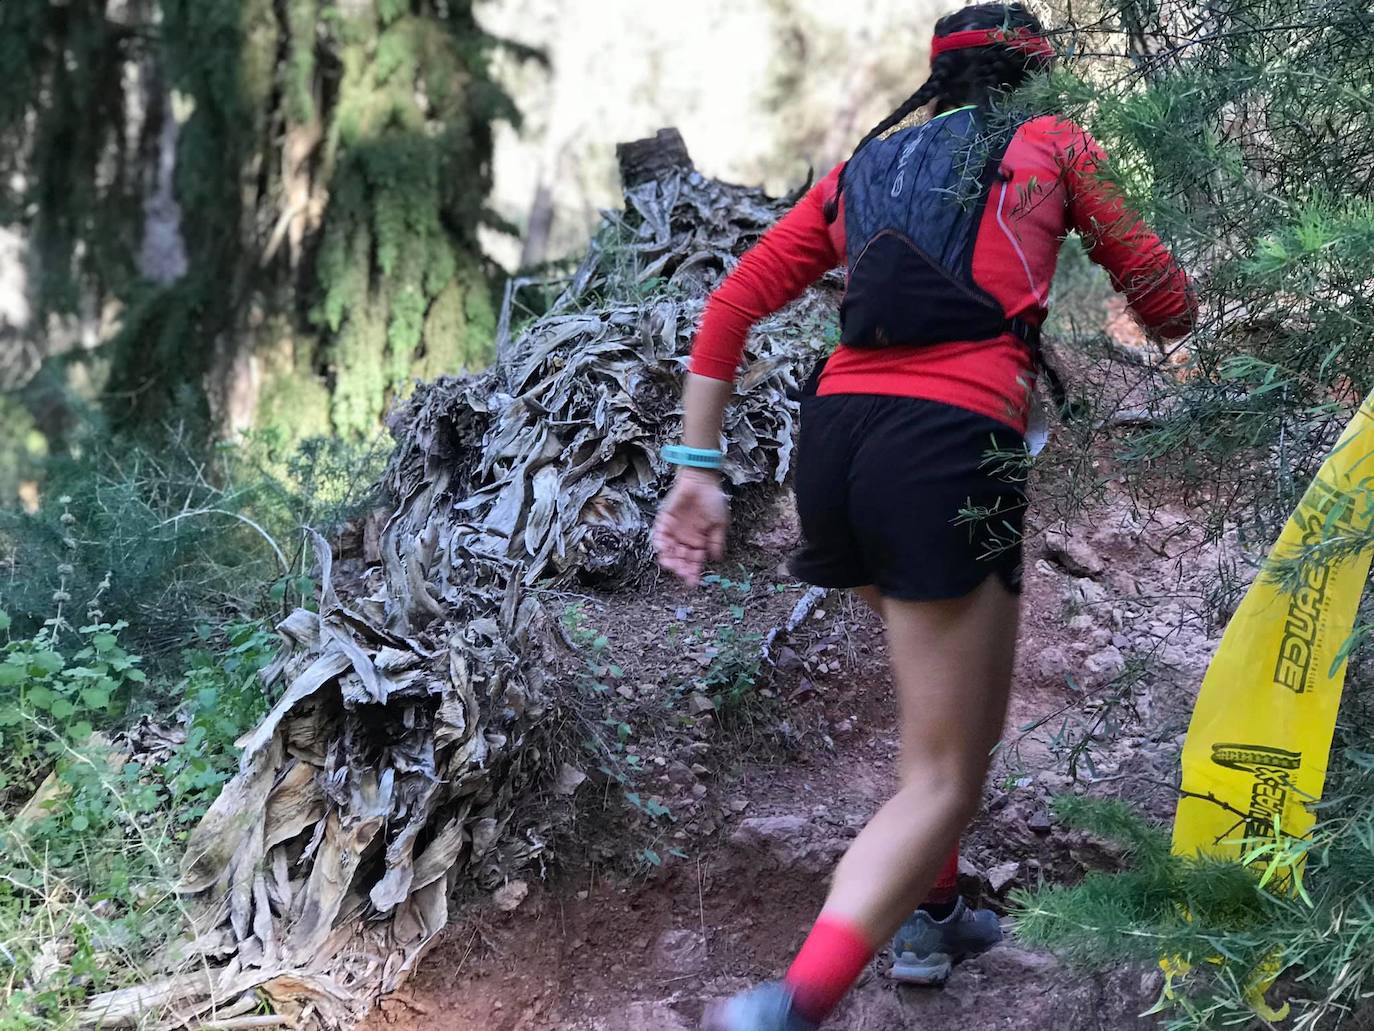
[900, 181]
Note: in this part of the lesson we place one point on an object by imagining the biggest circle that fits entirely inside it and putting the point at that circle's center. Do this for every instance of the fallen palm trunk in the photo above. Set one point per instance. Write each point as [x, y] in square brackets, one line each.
[408, 757]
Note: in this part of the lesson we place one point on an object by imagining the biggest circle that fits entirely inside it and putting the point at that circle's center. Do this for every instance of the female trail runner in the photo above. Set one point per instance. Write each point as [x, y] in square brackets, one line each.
[950, 230]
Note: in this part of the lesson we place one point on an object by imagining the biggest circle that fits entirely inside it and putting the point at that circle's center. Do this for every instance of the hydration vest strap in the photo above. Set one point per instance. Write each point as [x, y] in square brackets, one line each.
[1027, 332]
[1030, 333]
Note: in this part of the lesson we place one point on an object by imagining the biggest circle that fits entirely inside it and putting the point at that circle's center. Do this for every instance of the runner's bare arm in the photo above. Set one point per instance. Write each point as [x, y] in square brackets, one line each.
[798, 250]
[703, 403]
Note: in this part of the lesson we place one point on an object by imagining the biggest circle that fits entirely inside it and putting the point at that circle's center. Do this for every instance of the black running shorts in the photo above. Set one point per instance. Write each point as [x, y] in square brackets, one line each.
[920, 499]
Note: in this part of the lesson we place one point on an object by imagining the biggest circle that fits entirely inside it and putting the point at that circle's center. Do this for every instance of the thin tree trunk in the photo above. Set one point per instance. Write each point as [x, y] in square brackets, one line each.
[536, 246]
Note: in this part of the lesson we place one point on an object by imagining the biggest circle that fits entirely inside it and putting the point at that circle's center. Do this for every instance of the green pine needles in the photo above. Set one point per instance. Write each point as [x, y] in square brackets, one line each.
[1223, 919]
[1244, 130]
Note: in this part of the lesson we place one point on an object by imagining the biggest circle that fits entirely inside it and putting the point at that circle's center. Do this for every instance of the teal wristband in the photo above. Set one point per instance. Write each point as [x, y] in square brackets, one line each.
[693, 457]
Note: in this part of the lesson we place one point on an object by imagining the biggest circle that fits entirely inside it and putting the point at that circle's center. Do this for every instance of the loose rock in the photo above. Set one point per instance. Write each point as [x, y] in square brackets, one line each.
[680, 952]
[999, 877]
[509, 896]
[1107, 662]
[1073, 554]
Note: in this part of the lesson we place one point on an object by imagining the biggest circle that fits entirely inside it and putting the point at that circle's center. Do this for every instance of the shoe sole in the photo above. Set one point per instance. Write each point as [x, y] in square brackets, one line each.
[931, 972]
[934, 970]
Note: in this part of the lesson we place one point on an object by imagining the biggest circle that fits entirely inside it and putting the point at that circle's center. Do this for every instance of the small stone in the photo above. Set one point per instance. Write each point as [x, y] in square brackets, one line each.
[643, 1016]
[1082, 621]
[625, 691]
[683, 614]
[1151, 983]
[680, 952]
[783, 837]
[509, 896]
[698, 704]
[1039, 821]
[738, 805]
[699, 769]
[570, 778]
[968, 868]
[1005, 962]
[1075, 555]
[1053, 663]
[1086, 592]
[1107, 662]
[698, 790]
[999, 877]
[842, 728]
[1053, 781]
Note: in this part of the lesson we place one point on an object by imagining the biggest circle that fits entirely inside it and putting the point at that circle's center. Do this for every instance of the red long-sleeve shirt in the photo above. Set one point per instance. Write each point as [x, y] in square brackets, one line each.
[1051, 186]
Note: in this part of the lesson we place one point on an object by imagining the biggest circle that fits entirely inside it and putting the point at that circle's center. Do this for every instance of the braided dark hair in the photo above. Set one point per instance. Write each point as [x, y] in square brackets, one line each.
[959, 77]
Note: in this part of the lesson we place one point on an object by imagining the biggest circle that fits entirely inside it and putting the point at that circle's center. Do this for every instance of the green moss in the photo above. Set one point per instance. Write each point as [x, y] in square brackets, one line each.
[295, 402]
[402, 295]
[459, 328]
[359, 374]
[392, 286]
[18, 461]
[301, 17]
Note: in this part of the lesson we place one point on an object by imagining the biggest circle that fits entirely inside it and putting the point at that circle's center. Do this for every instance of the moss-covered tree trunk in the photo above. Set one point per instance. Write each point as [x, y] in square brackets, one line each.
[330, 169]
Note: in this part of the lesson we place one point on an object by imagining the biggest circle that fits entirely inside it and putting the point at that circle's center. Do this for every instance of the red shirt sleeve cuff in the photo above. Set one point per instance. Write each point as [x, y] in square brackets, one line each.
[712, 368]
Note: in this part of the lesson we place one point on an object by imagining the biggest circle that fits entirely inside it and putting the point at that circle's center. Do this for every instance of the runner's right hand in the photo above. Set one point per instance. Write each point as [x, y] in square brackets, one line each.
[691, 524]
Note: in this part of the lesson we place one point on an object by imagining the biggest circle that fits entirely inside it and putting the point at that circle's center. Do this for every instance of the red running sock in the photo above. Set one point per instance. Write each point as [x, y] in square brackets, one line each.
[830, 961]
[946, 887]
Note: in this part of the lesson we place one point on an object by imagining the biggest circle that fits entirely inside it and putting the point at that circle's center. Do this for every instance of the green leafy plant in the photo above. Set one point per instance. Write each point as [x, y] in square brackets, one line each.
[90, 834]
[50, 702]
[735, 661]
[222, 698]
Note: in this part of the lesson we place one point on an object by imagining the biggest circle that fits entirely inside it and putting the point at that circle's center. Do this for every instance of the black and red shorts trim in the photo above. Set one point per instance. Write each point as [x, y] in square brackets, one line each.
[921, 499]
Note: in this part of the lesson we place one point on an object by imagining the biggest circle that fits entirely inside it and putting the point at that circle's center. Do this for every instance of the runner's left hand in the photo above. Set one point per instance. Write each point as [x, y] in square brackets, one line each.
[691, 524]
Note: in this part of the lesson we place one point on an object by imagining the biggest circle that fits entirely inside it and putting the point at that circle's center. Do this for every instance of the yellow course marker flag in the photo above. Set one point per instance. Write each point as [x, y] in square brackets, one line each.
[1260, 736]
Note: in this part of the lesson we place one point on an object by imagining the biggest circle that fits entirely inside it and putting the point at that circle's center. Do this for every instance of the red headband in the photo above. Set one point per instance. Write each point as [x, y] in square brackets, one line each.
[1019, 39]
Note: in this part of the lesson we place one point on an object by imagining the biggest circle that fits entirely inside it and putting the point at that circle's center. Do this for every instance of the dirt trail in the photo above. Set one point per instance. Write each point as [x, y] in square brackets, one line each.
[587, 952]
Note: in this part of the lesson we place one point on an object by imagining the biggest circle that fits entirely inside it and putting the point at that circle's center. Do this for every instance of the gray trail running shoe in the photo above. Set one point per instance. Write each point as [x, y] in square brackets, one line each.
[925, 949]
[765, 1008]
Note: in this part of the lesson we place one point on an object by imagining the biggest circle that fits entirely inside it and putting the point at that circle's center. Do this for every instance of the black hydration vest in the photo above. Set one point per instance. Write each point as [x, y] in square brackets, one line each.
[913, 203]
